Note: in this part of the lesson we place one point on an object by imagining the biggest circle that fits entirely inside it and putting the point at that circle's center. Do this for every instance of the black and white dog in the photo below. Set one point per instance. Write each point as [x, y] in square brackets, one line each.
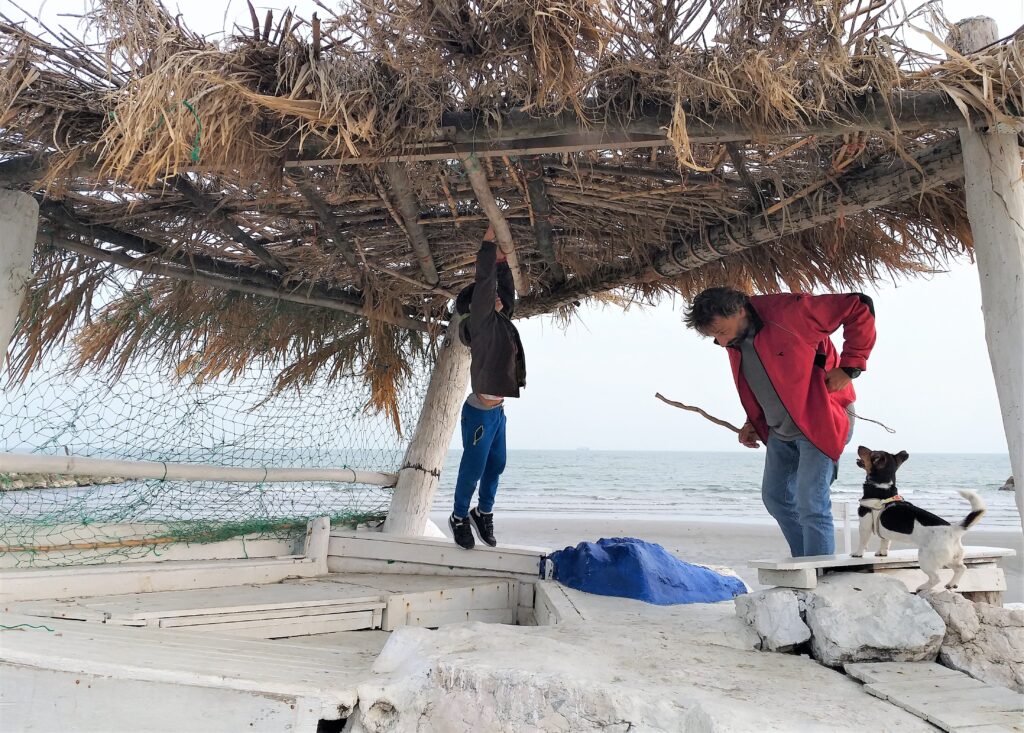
[883, 512]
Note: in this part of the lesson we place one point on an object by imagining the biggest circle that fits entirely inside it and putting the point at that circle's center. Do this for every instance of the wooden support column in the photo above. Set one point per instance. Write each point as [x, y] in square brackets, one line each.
[19, 219]
[417, 479]
[484, 195]
[995, 207]
[533, 170]
[409, 208]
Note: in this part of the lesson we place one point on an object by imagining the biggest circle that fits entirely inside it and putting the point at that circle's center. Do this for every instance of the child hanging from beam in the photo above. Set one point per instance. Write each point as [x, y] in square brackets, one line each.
[497, 371]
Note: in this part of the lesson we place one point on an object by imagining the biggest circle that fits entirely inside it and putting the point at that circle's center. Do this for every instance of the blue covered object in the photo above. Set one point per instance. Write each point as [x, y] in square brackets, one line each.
[631, 568]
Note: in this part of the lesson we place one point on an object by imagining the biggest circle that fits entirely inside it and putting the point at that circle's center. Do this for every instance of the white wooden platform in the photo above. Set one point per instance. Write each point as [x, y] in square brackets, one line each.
[373, 552]
[328, 604]
[983, 574]
[279, 684]
[948, 699]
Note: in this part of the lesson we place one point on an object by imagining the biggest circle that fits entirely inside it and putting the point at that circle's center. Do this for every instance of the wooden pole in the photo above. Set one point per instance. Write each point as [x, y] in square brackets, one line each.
[409, 208]
[417, 480]
[80, 466]
[484, 195]
[19, 219]
[995, 207]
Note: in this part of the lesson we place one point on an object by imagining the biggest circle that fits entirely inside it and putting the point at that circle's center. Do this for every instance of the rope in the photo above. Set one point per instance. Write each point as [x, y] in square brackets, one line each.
[25, 626]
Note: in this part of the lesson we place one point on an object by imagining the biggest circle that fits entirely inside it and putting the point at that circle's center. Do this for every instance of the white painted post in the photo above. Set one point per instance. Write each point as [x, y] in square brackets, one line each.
[995, 206]
[19, 218]
[421, 469]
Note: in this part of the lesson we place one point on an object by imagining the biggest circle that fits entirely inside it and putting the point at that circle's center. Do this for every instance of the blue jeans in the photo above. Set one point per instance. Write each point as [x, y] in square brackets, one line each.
[483, 457]
[795, 490]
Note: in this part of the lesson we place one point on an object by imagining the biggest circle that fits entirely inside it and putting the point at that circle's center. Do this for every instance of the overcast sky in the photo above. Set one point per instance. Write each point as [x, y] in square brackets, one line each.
[593, 384]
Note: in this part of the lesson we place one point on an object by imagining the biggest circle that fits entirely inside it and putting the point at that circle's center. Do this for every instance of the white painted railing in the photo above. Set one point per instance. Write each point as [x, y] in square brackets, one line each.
[80, 466]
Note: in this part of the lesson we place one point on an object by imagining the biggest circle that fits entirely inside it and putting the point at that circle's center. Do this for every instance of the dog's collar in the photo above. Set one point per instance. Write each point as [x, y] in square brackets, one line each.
[879, 503]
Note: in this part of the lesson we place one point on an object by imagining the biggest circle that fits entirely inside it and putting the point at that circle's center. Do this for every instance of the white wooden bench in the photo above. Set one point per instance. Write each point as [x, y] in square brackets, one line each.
[983, 574]
[59, 673]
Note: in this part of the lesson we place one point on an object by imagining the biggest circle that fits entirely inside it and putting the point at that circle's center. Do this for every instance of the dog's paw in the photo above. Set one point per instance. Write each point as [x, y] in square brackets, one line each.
[856, 554]
[952, 586]
[881, 554]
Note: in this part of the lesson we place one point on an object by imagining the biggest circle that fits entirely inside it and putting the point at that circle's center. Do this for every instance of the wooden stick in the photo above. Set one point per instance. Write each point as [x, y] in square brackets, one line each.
[409, 208]
[485, 197]
[691, 408]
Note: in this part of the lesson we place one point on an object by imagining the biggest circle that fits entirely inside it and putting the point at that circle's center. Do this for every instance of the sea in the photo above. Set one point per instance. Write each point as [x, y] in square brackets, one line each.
[724, 486]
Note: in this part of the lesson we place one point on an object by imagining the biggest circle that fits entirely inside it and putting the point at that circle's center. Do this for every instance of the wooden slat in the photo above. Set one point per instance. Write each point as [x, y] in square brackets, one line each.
[977, 578]
[972, 555]
[212, 619]
[433, 619]
[31, 584]
[283, 628]
[442, 553]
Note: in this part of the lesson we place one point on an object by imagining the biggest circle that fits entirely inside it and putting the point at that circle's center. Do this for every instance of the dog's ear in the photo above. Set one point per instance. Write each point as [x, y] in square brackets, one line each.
[864, 458]
[901, 458]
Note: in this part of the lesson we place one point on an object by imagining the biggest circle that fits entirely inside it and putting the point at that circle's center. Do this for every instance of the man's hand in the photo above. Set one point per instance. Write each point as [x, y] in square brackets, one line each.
[836, 379]
[748, 436]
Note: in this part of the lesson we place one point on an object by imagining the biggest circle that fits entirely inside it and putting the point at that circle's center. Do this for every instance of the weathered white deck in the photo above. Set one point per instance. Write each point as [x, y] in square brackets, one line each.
[983, 574]
[944, 697]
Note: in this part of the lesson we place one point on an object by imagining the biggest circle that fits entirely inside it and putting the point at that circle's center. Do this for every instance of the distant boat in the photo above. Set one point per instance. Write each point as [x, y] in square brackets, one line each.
[1009, 485]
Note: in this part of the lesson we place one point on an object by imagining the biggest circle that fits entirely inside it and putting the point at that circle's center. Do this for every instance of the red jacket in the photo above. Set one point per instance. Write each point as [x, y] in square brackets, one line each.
[794, 346]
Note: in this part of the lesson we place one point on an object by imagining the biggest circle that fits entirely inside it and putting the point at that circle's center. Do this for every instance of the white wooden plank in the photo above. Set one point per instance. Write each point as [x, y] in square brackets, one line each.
[400, 583]
[440, 618]
[971, 555]
[236, 549]
[477, 597]
[430, 542]
[447, 555]
[184, 658]
[236, 599]
[558, 608]
[318, 538]
[281, 613]
[897, 671]
[26, 585]
[805, 578]
[987, 577]
[349, 565]
[96, 704]
[69, 609]
[283, 628]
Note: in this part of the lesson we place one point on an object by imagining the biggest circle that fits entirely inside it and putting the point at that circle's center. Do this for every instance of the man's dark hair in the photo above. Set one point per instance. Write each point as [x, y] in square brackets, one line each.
[711, 304]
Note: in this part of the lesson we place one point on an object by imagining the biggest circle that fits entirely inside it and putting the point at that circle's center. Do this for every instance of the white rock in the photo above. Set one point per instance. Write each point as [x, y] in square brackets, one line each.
[644, 676]
[985, 641]
[862, 617]
[775, 615]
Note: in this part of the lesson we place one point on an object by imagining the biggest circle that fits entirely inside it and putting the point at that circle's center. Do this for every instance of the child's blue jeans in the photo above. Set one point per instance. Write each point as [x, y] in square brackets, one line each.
[483, 457]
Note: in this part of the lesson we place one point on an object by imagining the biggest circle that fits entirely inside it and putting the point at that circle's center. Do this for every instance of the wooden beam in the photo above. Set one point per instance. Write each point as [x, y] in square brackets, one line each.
[503, 235]
[880, 185]
[205, 265]
[327, 218]
[226, 283]
[409, 209]
[736, 156]
[210, 207]
[533, 171]
[518, 134]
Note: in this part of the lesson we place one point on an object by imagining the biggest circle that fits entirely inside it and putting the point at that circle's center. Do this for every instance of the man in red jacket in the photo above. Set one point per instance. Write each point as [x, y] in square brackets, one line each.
[797, 392]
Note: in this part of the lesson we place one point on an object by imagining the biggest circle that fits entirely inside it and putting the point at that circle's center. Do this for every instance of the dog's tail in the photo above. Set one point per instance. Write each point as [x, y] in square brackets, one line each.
[977, 509]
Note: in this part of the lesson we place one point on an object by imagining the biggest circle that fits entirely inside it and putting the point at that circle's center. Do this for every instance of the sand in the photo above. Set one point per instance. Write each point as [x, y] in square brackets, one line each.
[713, 543]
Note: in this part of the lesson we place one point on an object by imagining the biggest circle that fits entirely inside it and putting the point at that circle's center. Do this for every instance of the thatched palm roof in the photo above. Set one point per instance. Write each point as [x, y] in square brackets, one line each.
[312, 193]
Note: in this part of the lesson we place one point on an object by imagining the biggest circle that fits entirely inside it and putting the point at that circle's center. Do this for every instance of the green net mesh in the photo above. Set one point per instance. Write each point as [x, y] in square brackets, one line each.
[61, 520]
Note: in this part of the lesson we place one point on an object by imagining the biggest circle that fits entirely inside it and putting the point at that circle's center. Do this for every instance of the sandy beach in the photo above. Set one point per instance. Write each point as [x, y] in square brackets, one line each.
[713, 543]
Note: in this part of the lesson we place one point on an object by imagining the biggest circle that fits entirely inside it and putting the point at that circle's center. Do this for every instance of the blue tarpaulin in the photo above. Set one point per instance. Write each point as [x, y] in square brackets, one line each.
[631, 568]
